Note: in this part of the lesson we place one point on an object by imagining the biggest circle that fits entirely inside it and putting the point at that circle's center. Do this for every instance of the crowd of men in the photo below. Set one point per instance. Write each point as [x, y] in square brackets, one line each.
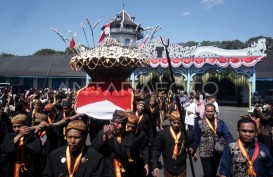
[42, 135]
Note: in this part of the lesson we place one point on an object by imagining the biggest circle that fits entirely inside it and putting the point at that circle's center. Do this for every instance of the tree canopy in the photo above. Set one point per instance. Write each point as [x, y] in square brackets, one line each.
[6, 55]
[47, 52]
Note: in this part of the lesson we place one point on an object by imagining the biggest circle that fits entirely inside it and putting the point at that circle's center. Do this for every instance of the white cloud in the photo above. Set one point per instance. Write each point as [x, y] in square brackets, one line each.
[186, 13]
[211, 3]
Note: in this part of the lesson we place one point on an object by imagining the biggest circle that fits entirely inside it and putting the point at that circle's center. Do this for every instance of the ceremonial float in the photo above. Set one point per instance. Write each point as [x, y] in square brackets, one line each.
[109, 67]
[108, 64]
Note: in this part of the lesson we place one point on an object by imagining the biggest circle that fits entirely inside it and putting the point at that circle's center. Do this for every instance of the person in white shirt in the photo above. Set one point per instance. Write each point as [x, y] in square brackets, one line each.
[212, 99]
[190, 114]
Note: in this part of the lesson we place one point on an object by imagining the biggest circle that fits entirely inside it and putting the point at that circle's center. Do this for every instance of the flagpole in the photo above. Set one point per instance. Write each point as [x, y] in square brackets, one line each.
[92, 28]
[63, 39]
[82, 26]
[77, 48]
[178, 103]
[154, 31]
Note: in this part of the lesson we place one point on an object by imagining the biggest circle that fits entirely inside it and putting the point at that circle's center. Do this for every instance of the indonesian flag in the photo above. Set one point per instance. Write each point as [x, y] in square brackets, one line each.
[140, 46]
[100, 99]
[103, 34]
[72, 43]
[107, 28]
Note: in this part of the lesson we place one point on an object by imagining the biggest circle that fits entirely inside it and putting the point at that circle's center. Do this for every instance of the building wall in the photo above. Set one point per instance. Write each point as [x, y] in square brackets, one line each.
[35, 82]
[263, 86]
[121, 38]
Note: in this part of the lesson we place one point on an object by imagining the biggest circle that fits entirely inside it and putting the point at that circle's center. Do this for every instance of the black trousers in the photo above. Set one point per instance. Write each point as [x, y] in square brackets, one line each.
[210, 165]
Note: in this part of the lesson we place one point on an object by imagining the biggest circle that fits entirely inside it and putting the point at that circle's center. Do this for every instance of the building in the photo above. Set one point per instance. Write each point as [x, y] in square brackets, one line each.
[51, 71]
[124, 29]
[264, 76]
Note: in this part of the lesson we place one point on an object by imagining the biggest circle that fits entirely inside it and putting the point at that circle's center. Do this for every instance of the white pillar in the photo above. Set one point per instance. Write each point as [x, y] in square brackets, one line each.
[133, 80]
[253, 79]
[87, 79]
[188, 80]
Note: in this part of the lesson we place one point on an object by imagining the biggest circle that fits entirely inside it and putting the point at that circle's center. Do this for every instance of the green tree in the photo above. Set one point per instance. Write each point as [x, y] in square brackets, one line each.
[269, 42]
[192, 43]
[68, 50]
[237, 44]
[215, 43]
[206, 43]
[45, 52]
[226, 45]
[6, 55]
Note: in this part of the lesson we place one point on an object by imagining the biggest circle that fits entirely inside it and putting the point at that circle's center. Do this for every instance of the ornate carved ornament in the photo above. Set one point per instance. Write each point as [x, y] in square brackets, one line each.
[199, 56]
[108, 56]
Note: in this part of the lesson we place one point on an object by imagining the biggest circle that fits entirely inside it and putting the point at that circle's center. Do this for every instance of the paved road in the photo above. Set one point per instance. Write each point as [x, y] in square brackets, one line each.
[230, 115]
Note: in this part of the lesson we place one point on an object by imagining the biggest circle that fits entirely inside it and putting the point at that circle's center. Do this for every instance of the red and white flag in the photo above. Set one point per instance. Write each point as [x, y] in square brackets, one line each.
[107, 28]
[103, 34]
[72, 43]
[99, 102]
[140, 46]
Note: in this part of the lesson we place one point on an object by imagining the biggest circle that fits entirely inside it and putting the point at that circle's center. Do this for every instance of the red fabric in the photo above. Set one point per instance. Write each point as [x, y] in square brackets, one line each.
[199, 60]
[175, 60]
[115, 92]
[104, 33]
[222, 61]
[107, 28]
[235, 60]
[187, 60]
[154, 61]
[102, 37]
[140, 46]
[72, 43]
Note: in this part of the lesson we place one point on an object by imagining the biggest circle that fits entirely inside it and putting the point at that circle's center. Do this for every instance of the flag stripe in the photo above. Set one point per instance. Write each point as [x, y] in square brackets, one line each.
[72, 43]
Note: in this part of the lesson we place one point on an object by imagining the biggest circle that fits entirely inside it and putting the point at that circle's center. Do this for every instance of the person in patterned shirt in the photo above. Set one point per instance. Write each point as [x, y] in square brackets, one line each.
[246, 157]
[207, 132]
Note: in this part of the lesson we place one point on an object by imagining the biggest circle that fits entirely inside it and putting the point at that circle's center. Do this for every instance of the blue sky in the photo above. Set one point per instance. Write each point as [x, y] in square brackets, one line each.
[26, 24]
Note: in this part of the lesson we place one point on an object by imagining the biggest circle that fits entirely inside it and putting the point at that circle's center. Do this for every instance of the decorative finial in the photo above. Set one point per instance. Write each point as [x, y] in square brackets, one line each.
[59, 34]
[123, 6]
[82, 26]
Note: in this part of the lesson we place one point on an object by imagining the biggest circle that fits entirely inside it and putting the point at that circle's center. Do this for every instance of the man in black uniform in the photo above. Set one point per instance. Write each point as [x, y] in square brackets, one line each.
[20, 149]
[114, 143]
[144, 122]
[171, 143]
[75, 159]
[154, 114]
[55, 134]
[138, 158]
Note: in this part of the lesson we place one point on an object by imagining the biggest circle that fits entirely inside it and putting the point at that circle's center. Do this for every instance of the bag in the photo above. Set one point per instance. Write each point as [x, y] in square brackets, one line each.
[219, 144]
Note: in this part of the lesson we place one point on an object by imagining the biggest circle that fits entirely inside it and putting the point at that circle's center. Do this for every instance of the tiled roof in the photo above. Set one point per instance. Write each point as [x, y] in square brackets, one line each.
[264, 70]
[40, 66]
[125, 18]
